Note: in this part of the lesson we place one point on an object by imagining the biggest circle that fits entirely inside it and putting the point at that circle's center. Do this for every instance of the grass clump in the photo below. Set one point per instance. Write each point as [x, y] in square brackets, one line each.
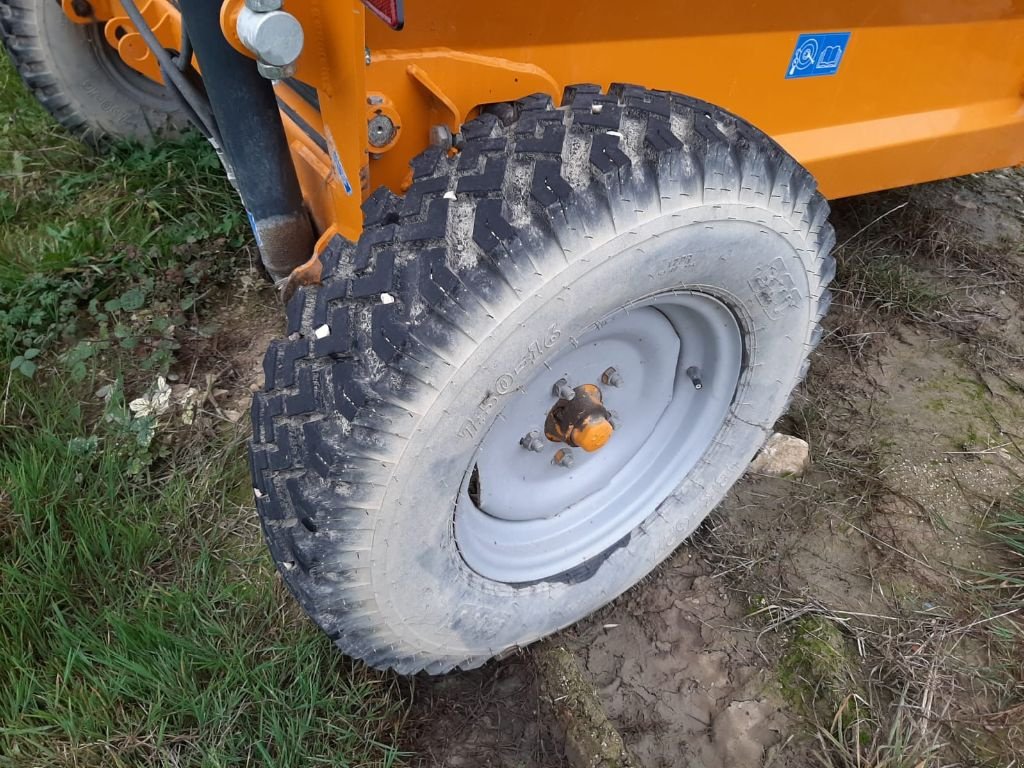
[890, 285]
[815, 672]
[1008, 531]
[857, 727]
[141, 621]
[120, 246]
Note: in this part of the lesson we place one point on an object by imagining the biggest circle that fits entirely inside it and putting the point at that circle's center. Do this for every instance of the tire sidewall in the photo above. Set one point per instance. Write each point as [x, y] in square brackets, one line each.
[113, 99]
[735, 253]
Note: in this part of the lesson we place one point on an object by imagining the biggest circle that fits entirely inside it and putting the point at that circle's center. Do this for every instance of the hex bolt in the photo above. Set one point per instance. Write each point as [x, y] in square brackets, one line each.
[367, 57]
[532, 442]
[441, 136]
[612, 378]
[563, 458]
[274, 72]
[562, 390]
[263, 6]
[614, 420]
[694, 373]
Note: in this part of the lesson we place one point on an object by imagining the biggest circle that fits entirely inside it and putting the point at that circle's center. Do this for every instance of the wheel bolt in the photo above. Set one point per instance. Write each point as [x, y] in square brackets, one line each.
[562, 390]
[694, 373]
[563, 458]
[532, 442]
[612, 378]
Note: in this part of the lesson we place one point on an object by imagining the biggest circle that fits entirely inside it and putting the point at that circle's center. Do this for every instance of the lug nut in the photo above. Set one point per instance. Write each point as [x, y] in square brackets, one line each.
[694, 373]
[563, 458]
[612, 378]
[532, 442]
[562, 390]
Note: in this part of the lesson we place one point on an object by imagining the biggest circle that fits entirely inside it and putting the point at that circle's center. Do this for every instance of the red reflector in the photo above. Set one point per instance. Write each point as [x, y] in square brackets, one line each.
[389, 10]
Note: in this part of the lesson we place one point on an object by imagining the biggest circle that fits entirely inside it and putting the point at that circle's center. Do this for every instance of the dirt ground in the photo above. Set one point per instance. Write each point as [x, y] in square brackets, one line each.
[833, 619]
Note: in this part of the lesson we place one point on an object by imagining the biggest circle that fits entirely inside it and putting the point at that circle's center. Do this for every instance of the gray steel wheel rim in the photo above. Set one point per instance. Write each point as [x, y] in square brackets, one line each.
[519, 518]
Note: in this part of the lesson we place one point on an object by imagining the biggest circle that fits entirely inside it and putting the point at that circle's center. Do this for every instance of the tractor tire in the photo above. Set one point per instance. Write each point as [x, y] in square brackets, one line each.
[638, 269]
[81, 80]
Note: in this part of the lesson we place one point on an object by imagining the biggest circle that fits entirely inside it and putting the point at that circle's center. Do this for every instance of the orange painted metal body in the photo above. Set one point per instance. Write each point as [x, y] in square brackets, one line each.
[927, 89]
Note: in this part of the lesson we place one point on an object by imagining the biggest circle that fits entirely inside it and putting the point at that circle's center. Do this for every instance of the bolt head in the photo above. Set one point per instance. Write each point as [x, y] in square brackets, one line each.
[441, 136]
[612, 378]
[262, 6]
[532, 442]
[563, 390]
[274, 72]
[563, 458]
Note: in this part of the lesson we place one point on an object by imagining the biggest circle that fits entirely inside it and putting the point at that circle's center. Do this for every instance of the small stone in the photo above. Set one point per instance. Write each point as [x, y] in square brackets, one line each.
[233, 416]
[781, 456]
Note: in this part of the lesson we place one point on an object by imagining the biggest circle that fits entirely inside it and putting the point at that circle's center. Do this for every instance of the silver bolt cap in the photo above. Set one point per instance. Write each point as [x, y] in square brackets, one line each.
[275, 36]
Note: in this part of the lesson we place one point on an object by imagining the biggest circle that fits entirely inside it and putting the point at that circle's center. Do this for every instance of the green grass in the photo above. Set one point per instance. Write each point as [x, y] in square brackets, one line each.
[80, 230]
[141, 620]
[1008, 530]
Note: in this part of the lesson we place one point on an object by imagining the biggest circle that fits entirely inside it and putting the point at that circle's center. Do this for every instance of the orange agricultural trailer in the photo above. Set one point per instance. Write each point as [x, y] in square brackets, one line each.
[552, 269]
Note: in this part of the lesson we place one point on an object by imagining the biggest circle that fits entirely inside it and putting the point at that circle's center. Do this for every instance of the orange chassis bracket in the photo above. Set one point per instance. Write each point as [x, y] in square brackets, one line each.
[926, 89]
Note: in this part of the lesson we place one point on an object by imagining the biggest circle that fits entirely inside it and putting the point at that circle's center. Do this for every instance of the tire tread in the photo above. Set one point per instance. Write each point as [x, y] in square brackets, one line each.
[447, 280]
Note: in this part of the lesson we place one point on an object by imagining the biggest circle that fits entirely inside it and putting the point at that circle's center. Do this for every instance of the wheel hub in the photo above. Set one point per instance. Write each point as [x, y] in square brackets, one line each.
[582, 421]
[568, 470]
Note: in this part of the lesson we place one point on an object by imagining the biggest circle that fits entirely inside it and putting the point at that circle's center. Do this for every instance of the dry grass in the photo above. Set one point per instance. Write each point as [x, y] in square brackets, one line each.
[914, 682]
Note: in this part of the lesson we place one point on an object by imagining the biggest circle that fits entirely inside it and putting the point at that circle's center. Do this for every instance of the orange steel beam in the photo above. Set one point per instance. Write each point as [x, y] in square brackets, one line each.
[927, 88]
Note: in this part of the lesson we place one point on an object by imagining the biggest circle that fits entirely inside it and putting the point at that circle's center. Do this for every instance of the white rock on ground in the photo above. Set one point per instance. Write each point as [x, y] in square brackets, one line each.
[782, 455]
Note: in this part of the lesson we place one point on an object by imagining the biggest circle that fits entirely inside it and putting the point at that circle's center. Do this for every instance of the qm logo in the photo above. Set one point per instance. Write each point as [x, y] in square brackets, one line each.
[818, 55]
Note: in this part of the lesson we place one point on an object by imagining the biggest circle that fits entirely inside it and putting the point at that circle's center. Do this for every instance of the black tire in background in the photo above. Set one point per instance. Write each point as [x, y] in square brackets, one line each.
[81, 80]
[536, 230]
